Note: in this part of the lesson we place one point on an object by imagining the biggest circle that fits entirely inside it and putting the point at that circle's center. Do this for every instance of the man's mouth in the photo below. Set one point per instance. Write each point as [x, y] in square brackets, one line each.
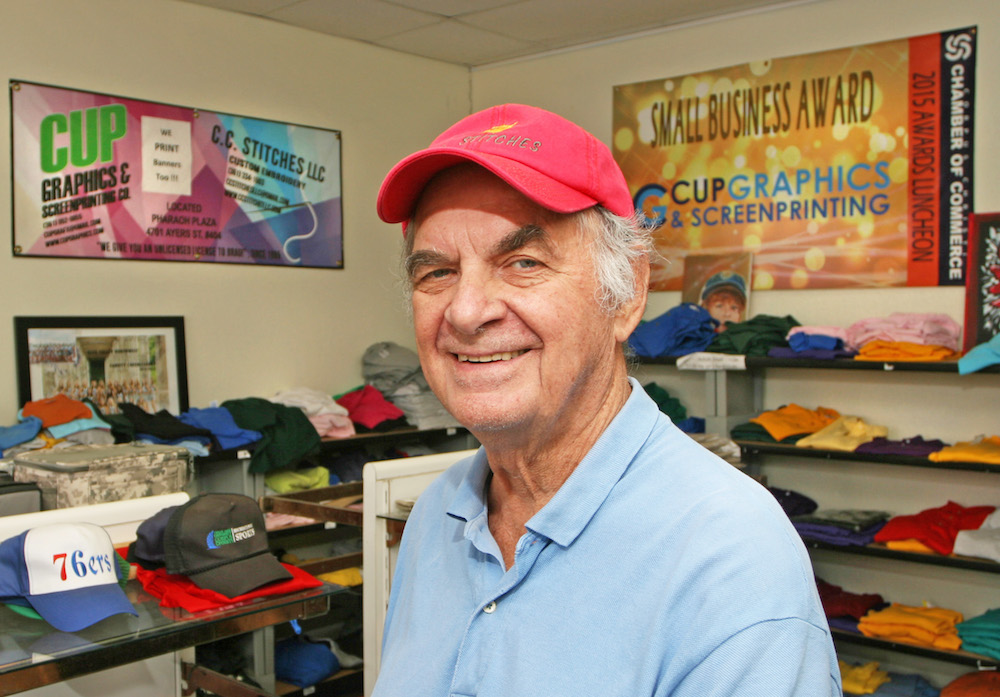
[504, 356]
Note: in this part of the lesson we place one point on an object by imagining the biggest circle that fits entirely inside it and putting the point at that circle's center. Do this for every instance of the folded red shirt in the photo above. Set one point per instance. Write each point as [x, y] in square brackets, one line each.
[840, 603]
[935, 527]
[175, 590]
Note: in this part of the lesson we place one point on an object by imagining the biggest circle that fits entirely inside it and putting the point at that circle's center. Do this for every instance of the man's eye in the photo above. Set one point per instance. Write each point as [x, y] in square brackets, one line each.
[526, 264]
[434, 274]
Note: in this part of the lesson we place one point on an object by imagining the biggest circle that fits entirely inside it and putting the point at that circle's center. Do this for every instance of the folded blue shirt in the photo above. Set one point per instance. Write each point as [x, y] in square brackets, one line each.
[223, 426]
[981, 356]
[681, 330]
[21, 432]
[77, 425]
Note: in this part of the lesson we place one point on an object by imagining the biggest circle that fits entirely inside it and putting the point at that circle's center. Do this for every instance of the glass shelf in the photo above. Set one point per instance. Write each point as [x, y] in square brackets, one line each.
[33, 653]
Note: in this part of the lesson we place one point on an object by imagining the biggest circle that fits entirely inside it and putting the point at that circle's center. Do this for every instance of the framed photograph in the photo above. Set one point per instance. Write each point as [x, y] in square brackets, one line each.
[109, 360]
[721, 284]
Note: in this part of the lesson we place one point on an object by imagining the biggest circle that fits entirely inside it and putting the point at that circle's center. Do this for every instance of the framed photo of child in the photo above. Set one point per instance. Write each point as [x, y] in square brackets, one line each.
[721, 284]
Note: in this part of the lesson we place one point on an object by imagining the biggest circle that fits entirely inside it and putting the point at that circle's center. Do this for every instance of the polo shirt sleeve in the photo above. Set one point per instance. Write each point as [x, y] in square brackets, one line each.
[777, 658]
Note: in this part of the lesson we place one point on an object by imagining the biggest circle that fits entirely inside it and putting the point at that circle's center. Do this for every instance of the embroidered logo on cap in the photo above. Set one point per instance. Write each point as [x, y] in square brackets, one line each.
[220, 538]
[496, 136]
[501, 128]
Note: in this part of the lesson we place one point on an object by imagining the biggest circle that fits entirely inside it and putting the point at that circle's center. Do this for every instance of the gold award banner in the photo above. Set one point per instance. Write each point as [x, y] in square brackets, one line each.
[846, 168]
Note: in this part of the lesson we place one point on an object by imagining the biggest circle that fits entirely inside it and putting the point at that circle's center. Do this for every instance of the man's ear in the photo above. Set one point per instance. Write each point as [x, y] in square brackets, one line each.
[629, 314]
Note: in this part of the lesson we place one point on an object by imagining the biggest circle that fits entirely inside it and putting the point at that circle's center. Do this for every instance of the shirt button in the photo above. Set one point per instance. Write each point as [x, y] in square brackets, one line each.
[491, 608]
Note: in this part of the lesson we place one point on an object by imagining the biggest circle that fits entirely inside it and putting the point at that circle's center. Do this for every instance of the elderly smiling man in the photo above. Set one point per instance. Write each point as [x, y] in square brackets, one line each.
[589, 547]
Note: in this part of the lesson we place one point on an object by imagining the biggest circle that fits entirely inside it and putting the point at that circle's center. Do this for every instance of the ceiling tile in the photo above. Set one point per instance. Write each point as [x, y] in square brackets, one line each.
[566, 22]
[252, 7]
[365, 20]
[475, 32]
[455, 42]
[454, 8]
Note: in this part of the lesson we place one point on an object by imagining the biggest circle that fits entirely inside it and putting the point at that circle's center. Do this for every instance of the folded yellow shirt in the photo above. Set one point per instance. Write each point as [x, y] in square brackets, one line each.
[927, 626]
[985, 449]
[288, 481]
[880, 350]
[863, 679]
[791, 420]
[846, 433]
[343, 577]
[910, 545]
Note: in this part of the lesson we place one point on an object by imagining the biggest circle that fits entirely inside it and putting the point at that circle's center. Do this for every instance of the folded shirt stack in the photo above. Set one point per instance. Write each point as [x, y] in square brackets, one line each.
[686, 328]
[899, 351]
[933, 627]
[984, 449]
[982, 634]
[794, 420]
[754, 337]
[843, 527]
[813, 342]
[915, 446]
[937, 527]
[846, 434]
[983, 542]
[861, 679]
[844, 609]
[906, 685]
[919, 328]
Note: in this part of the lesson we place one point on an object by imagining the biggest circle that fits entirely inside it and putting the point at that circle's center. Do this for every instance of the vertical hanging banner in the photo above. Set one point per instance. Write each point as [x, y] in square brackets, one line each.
[846, 168]
[105, 177]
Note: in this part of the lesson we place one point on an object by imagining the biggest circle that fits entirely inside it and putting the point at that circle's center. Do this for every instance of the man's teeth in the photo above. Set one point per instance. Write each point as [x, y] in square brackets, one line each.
[505, 356]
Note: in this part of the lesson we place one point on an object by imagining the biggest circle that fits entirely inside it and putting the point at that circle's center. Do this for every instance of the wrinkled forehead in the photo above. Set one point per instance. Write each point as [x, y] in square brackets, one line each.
[473, 188]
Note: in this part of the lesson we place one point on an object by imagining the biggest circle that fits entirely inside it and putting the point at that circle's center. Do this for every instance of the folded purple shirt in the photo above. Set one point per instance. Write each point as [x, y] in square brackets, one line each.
[836, 535]
[915, 446]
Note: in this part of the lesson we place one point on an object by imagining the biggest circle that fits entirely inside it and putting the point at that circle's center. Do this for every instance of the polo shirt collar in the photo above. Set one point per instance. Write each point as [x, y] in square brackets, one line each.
[565, 516]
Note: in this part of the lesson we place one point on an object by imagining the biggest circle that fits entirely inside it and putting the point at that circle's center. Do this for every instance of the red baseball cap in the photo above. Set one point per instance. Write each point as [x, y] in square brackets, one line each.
[549, 159]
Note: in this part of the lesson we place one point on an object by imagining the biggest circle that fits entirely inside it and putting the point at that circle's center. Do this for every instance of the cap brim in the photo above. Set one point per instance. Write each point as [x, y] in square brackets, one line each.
[70, 611]
[133, 556]
[242, 576]
[729, 287]
[404, 184]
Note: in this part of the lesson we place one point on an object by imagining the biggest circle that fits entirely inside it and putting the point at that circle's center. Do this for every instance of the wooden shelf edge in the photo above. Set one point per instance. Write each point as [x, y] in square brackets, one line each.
[284, 688]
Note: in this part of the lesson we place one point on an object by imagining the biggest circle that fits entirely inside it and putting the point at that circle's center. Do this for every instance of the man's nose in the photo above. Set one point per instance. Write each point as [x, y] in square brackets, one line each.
[475, 303]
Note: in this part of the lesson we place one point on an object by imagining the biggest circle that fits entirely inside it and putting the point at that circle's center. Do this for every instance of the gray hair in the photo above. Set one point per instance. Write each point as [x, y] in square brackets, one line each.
[617, 243]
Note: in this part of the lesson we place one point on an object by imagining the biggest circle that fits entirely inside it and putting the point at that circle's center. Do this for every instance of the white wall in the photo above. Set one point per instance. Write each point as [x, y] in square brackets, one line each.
[250, 331]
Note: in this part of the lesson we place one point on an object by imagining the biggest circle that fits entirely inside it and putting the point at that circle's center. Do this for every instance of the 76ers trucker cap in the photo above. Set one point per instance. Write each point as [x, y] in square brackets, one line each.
[67, 572]
[219, 542]
[552, 161]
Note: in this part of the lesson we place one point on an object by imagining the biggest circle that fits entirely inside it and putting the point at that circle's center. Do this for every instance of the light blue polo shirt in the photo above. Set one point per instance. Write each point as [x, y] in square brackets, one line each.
[656, 569]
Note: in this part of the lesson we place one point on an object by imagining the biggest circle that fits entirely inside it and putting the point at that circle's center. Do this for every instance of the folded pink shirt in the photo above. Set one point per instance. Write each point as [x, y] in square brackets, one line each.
[917, 327]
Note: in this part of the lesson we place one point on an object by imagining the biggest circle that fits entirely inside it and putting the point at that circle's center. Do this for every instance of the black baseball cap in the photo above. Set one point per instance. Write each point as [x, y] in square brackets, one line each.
[219, 542]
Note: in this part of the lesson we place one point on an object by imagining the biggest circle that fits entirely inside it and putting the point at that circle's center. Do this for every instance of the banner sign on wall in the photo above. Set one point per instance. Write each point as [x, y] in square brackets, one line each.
[98, 176]
[844, 168]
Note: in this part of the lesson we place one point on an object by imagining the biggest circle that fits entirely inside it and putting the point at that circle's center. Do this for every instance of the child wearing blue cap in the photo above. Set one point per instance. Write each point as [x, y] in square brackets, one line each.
[724, 295]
